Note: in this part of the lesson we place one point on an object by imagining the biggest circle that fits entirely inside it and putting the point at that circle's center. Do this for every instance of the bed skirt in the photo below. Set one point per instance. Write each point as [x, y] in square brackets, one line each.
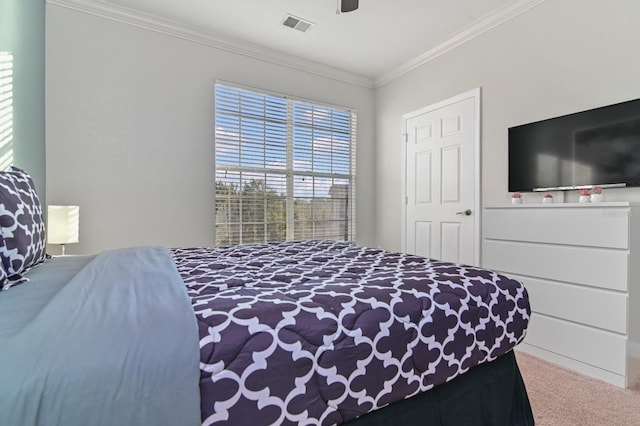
[489, 394]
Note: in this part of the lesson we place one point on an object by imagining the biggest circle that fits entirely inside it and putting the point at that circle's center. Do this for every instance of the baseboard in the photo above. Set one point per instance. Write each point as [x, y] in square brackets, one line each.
[633, 366]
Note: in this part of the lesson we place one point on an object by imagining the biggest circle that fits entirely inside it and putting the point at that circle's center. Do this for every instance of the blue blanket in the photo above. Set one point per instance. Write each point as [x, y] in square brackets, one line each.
[116, 345]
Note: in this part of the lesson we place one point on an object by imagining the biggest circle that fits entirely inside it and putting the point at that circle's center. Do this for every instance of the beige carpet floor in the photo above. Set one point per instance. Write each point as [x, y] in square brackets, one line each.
[562, 397]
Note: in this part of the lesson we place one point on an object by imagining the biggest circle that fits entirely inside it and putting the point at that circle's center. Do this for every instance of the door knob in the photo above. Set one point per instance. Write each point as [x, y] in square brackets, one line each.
[467, 212]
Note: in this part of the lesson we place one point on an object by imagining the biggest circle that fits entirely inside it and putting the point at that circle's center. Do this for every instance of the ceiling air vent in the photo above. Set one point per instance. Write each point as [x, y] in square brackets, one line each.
[297, 23]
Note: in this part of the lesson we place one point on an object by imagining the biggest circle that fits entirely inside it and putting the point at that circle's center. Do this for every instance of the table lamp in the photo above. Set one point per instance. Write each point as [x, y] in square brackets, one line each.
[64, 225]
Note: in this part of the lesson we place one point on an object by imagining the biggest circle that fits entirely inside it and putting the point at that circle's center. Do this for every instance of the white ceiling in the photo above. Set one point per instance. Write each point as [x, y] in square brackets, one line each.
[381, 39]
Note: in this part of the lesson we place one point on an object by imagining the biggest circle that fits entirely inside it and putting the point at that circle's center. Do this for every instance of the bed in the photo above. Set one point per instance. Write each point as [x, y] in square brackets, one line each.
[283, 333]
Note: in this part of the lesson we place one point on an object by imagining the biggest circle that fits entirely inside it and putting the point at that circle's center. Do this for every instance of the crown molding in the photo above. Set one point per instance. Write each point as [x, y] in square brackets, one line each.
[175, 29]
[487, 23]
[182, 31]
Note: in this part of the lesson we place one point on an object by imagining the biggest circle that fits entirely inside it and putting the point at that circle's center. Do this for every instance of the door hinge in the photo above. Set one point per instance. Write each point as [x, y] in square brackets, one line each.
[406, 137]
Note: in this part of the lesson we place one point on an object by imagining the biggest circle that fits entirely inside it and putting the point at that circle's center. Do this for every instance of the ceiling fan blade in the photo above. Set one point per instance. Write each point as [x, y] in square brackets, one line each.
[348, 5]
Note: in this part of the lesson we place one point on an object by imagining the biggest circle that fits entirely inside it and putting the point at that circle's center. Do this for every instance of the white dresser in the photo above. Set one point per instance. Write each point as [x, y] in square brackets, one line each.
[581, 266]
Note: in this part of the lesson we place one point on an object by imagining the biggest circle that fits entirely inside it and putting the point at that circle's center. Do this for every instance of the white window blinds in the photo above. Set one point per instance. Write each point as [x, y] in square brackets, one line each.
[285, 168]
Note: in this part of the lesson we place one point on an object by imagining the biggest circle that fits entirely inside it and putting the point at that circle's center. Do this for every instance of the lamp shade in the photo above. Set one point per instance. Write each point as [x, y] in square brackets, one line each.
[64, 224]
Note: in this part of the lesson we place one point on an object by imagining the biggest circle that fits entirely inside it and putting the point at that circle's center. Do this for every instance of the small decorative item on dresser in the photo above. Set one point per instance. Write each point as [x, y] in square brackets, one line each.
[596, 194]
[584, 196]
[516, 198]
[547, 199]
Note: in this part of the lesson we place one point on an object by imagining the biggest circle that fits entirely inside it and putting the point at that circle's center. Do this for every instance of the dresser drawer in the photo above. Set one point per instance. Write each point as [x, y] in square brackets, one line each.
[594, 267]
[594, 307]
[589, 345]
[589, 226]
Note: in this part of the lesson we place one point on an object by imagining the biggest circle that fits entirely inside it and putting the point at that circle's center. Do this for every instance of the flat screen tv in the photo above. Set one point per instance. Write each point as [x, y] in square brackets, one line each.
[600, 146]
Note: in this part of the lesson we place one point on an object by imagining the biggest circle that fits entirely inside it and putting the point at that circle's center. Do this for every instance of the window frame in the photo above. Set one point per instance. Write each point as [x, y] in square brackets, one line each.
[346, 224]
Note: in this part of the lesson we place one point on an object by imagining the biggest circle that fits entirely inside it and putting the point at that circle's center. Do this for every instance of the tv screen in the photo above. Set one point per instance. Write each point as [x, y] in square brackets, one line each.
[595, 147]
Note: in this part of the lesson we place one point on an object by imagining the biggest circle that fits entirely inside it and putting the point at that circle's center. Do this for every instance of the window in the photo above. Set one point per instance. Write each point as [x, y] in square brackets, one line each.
[6, 109]
[285, 168]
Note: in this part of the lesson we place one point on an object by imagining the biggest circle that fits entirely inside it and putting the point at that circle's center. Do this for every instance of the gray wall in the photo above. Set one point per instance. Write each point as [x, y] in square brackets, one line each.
[22, 31]
[560, 57]
[130, 129]
[130, 113]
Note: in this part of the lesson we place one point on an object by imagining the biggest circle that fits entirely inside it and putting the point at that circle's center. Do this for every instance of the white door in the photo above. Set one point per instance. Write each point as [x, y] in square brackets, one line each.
[442, 144]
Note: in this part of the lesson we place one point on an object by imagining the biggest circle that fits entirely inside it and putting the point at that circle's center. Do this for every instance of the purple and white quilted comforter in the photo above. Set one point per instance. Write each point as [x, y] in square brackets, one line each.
[321, 332]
